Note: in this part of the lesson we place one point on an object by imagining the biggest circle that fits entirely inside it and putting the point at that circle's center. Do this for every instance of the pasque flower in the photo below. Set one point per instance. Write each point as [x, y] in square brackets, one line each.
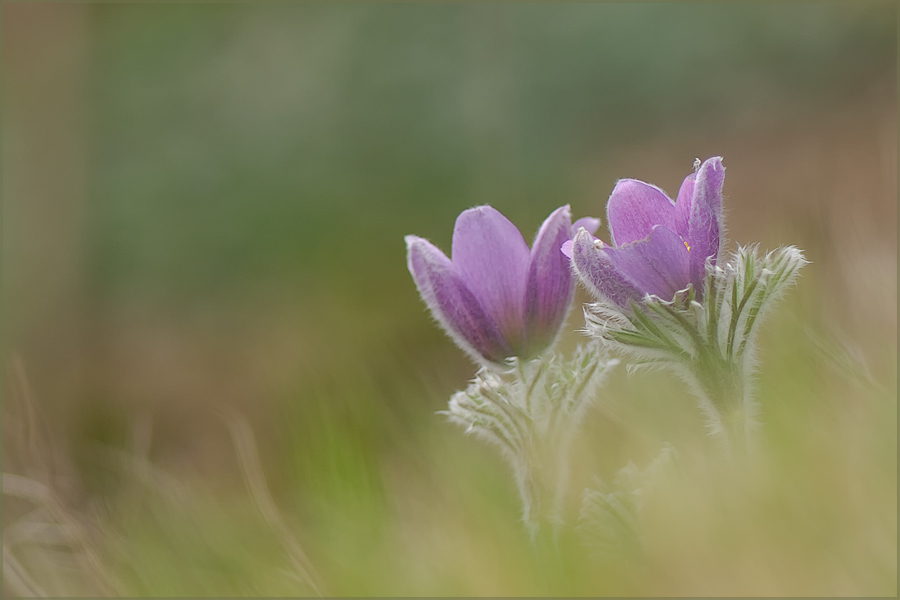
[659, 247]
[496, 298]
[662, 249]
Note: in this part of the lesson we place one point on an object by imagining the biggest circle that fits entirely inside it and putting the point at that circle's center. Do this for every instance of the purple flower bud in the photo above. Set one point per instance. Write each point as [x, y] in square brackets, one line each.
[659, 246]
[496, 298]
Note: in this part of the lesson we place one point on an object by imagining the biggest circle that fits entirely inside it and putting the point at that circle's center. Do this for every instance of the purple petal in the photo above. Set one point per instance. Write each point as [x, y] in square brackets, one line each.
[549, 286]
[658, 265]
[683, 205]
[705, 218]
[451, 302]
[633, 209]
[598, 274]
[493, 258]
[589, 223]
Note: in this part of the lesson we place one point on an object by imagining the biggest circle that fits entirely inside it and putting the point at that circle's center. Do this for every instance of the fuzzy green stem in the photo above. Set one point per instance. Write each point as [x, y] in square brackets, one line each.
[544, 520]
[722, 387]
[542, 480]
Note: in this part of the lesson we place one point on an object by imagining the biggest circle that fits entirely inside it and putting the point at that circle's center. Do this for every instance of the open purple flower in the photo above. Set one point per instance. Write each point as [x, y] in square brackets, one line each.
[496, 298]
[659, 247]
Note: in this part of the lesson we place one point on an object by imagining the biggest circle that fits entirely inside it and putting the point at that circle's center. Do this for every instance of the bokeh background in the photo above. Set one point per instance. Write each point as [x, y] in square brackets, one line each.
[203, 218]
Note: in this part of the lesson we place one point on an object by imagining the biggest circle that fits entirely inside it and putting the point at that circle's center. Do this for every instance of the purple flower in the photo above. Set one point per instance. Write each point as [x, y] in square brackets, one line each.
[658, 246]
[496, 298]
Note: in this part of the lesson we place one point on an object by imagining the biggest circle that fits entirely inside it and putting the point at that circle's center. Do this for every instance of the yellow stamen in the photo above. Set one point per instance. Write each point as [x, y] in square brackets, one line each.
[686, 246]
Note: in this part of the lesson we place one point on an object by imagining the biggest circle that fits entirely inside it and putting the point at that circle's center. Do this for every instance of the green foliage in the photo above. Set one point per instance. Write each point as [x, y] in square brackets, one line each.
[252, 170]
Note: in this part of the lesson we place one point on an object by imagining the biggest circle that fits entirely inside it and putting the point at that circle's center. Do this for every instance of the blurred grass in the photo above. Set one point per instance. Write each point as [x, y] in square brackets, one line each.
[251, 173]
[423, 511]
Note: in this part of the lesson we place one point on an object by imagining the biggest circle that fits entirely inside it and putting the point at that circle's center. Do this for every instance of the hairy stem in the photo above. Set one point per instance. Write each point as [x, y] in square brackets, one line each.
[723, 390]
[541, 479]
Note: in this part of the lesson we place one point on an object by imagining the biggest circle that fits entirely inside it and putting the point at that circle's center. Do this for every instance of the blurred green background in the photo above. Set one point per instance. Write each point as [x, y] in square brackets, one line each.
[204, 209]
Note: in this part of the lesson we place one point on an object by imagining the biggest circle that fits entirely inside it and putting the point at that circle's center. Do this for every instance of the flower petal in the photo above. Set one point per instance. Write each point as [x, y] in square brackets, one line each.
[549, 286]
[589, 223]
[493, 258]
[452, 304]
[658, 265]
[683, 206]
[598, 274]
[705, 218]
[633, 209]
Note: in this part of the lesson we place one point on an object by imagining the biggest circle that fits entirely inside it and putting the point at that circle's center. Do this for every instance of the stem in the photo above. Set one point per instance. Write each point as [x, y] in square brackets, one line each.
[544, 486]
[722, 386]
[738, 433]
[542, 479]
